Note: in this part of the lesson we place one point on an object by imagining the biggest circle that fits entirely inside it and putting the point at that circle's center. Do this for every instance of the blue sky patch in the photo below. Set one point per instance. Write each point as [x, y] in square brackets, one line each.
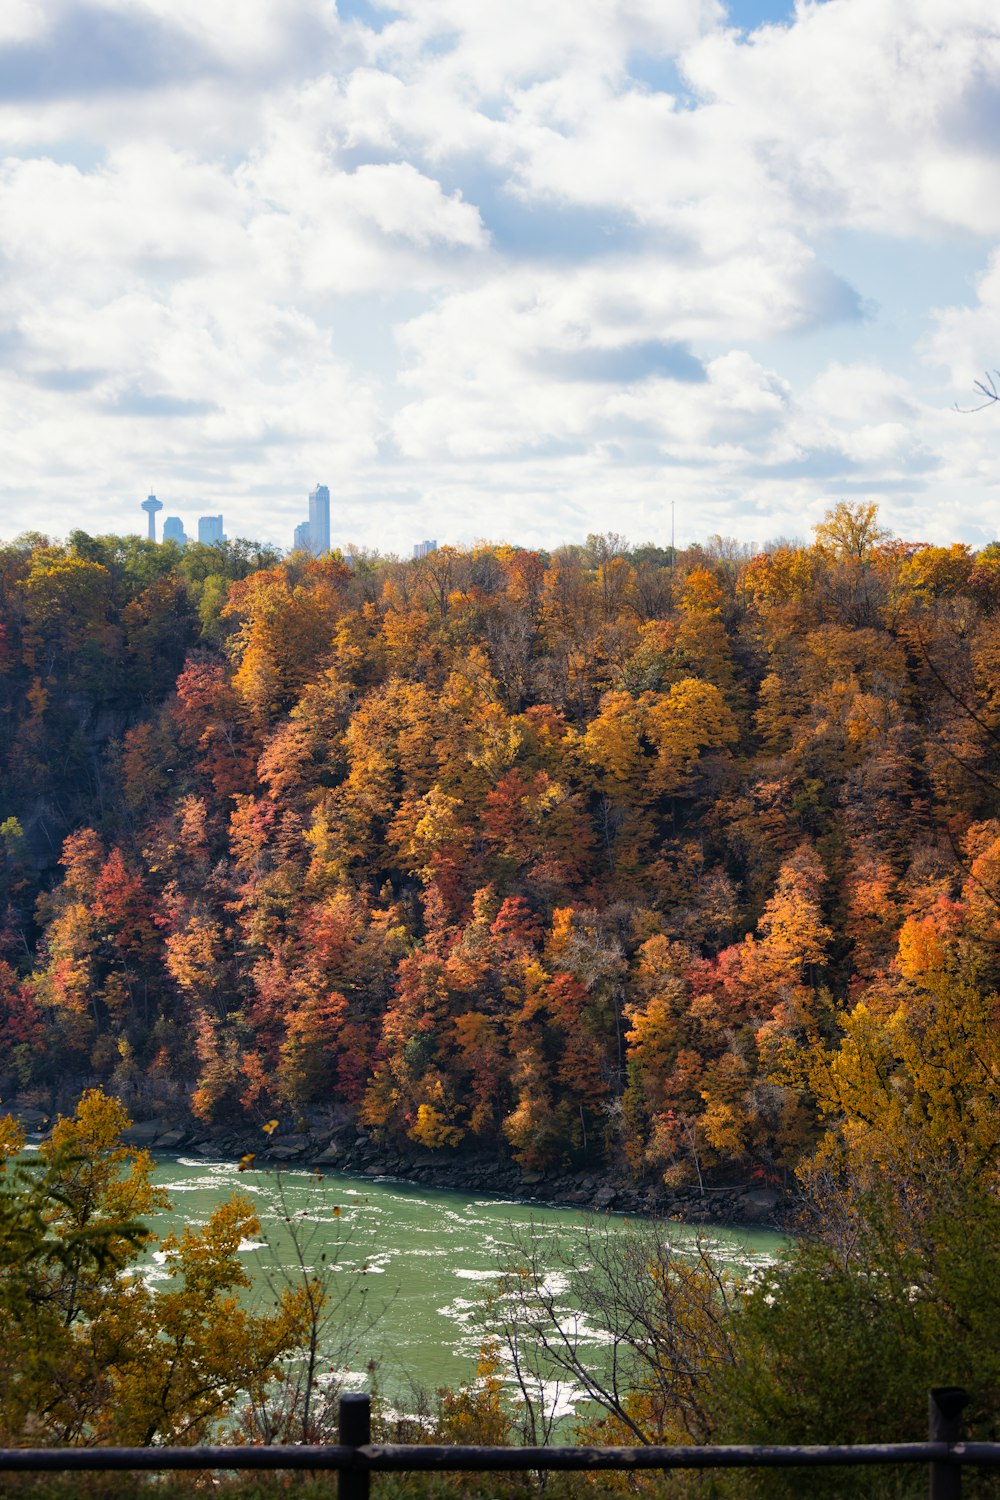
[625, 365]
[90, 50]
[750, 14]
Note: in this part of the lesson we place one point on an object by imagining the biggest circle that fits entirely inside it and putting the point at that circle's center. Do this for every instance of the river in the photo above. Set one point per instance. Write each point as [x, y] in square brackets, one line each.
[411, 1260]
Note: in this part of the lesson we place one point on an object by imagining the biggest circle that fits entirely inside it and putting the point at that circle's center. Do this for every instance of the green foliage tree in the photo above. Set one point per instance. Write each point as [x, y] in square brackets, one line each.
[835, 1348]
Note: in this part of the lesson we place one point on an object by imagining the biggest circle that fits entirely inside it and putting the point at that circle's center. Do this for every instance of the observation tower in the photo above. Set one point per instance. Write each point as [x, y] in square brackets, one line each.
[151, 505]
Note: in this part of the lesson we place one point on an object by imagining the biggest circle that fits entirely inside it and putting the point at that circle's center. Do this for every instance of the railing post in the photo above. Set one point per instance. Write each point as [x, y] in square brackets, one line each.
[944, 1410]
[355, 1424]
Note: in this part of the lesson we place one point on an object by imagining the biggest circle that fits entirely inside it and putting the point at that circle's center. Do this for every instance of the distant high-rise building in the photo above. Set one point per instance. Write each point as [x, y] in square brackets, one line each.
[173, 530]
[302, 541]
[151, 505]
[422, 548]
[319, 520]
[210, 530]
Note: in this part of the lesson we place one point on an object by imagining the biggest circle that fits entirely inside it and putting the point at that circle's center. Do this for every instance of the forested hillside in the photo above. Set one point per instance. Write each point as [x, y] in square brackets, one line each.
[598, 855]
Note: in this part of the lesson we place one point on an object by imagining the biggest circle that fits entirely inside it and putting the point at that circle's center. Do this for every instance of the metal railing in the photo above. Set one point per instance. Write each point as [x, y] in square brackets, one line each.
[355, 1457]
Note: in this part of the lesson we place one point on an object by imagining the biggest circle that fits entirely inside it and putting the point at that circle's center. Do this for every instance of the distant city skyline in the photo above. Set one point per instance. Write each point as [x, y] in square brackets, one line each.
[210, 528]
[312, 535]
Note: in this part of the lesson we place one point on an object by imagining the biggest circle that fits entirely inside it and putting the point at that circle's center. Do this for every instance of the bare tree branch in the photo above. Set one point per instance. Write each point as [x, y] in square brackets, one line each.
[987, 388]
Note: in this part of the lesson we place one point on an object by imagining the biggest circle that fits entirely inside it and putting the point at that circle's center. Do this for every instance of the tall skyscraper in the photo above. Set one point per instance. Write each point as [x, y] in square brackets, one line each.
[151, 505]
[210, 530]
[319, 520]
[302, 540]
[173, 530]
[421, 549]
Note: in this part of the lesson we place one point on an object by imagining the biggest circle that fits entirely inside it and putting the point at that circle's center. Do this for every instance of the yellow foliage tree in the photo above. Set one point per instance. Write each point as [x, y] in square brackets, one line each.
[912, 1092]
[691, 718]
[89, 1353]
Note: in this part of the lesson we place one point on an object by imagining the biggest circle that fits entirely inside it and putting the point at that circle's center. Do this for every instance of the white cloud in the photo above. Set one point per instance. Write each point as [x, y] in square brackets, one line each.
[741, 406]
[866, 109]
[489, 48]
[967, 339]
[561, 259]
[22, 20]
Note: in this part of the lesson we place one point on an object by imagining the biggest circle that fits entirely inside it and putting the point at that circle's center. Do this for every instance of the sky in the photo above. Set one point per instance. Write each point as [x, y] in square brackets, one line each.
[496, 270]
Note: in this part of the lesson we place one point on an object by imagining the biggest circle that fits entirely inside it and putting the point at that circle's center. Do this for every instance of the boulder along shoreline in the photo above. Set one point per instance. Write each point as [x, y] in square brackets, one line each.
[352, 1151]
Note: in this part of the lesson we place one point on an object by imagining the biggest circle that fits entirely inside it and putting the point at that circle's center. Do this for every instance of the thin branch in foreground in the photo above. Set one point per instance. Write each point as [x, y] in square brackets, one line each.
[988, 389]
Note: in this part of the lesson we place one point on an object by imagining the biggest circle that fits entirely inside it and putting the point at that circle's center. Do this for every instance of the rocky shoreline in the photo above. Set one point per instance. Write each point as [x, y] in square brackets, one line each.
[353, 1151]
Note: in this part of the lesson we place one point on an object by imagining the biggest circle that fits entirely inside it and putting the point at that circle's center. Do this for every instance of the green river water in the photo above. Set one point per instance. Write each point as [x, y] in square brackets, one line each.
[428, 1256]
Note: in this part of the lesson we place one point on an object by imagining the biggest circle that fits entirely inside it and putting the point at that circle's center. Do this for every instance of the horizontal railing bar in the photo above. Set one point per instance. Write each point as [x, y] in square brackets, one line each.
[151, 1459]
[735, 1456]
[386, 1458]
[981, 1454]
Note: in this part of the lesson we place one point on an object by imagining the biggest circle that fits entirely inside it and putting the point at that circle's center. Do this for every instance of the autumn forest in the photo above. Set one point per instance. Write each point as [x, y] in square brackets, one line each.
[688, 862]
